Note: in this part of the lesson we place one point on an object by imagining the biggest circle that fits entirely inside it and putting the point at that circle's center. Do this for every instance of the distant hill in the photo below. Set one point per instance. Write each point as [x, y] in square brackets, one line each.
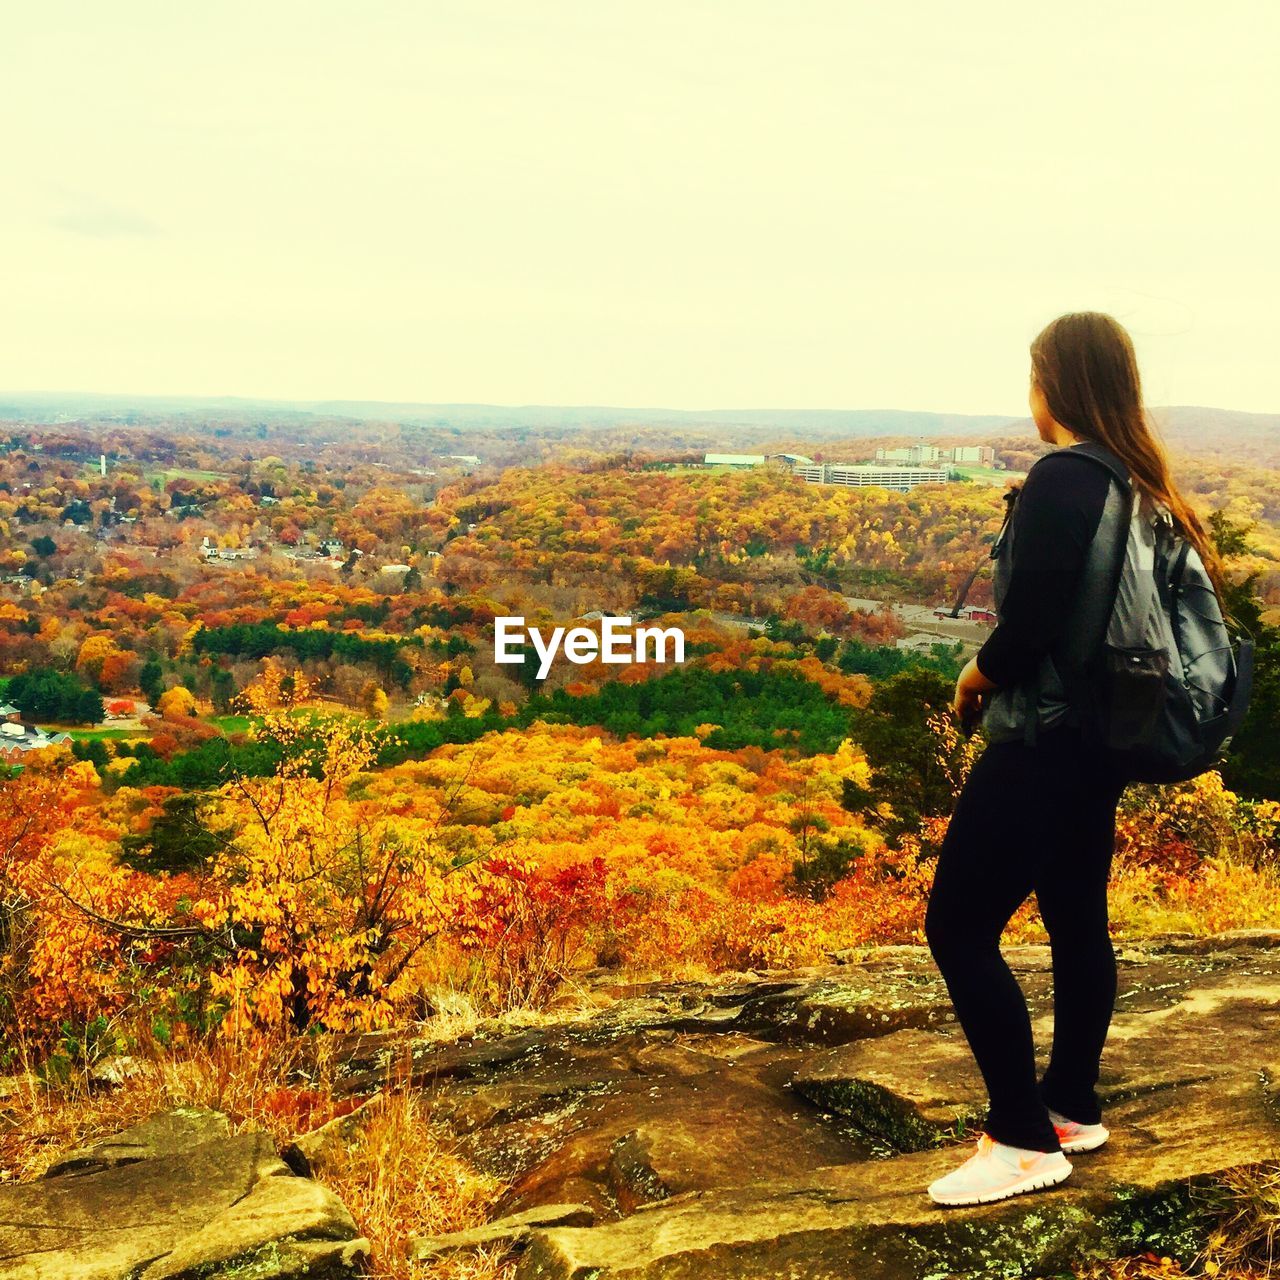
[1195, 426]
[1236, 435]
[48, 406]
[1188, 426]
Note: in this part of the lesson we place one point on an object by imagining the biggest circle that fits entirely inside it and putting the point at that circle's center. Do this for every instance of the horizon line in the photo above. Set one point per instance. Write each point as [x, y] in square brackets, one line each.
[249, 400]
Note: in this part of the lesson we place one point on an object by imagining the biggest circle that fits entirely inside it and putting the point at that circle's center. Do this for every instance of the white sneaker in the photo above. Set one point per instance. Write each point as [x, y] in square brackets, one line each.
[1078, 1137]
[996, 1171]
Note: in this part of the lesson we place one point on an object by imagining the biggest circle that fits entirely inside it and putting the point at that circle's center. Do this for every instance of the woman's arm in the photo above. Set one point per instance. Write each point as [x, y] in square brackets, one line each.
[967, 703]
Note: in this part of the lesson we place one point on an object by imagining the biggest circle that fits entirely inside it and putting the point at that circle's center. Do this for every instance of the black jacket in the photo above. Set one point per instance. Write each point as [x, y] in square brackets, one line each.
[1046, 575]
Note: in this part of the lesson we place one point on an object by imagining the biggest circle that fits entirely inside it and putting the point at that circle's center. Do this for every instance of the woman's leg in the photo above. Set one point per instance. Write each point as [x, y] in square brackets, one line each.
[1072, 892]
[987, 867]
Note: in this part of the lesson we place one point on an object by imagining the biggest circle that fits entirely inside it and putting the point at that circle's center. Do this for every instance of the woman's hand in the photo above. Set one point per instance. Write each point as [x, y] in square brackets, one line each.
[971, 688]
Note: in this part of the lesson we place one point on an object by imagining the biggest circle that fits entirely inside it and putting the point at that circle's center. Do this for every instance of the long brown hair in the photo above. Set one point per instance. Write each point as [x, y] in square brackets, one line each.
[1085, 365]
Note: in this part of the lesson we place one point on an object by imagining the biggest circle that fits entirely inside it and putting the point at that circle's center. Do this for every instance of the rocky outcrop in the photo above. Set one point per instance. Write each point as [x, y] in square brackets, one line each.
[175, 1198]
[789, 1125]
[828, 1005]
[784, 1124]
[1149, 1188]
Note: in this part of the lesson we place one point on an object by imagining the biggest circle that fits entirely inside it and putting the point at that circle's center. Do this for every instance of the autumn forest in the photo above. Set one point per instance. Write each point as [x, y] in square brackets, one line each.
[264, 779]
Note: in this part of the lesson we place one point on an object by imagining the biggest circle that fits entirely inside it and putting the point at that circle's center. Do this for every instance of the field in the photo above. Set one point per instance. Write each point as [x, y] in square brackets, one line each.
[990, 475]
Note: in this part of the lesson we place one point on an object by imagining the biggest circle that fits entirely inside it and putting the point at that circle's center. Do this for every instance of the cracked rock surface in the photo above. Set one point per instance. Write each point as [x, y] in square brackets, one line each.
[788, 1125]
[175, 1198]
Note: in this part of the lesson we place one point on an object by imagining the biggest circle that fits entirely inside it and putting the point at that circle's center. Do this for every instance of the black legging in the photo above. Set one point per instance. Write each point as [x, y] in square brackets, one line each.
[1030, 818]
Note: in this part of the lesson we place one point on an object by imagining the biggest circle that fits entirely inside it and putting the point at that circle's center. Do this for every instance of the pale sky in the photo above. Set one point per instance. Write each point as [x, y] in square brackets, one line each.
[678, 203]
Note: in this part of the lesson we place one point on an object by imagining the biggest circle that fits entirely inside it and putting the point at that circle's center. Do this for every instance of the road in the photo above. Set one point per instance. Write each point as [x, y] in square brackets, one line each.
[919, 620]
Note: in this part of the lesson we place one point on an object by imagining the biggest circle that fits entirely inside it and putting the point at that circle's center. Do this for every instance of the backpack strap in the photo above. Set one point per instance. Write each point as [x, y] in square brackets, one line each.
[1099, 583]
[1239, 703]
[1103, 456]
[1104, 559]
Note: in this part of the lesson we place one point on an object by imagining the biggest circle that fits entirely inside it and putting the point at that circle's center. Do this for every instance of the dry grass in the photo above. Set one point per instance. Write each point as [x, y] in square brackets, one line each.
[1245, 1245]
[1246, 1242]
[399, 1176]
[1222, 895]
[243, 1080]
[248, 1079]
[1144, 904]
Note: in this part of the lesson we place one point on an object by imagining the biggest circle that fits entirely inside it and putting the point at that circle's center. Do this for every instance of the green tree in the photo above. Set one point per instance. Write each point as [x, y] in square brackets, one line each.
[222, 690]
[902, 750]
[176, 841]
[1252, 765]
[45, 694]
[151, 680]
[77, 512]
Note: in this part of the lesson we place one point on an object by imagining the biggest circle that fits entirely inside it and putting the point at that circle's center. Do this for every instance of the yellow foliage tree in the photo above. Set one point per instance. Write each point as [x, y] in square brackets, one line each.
[176, 702]
[325, 901]
[374, 700]
[95, 650]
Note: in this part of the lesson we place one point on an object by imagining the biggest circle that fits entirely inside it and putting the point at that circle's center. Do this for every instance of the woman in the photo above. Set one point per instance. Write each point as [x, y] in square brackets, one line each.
[1037, 813]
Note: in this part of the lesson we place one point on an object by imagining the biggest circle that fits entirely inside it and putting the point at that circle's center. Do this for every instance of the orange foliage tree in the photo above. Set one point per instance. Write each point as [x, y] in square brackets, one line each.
[59, 886]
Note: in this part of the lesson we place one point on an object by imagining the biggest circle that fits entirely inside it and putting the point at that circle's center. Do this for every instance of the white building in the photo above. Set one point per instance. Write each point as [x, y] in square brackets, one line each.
[914, 454]
[211, 551]
[16, 739]
[861, 475]
[976, 455]
[739, 460]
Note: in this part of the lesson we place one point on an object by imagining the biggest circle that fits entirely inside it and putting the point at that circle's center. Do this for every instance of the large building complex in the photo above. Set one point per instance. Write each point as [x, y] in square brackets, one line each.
[924, 464]
[864, 474]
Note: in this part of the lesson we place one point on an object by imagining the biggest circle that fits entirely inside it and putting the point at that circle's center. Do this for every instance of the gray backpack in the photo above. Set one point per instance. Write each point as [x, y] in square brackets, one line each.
[1148, 669]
